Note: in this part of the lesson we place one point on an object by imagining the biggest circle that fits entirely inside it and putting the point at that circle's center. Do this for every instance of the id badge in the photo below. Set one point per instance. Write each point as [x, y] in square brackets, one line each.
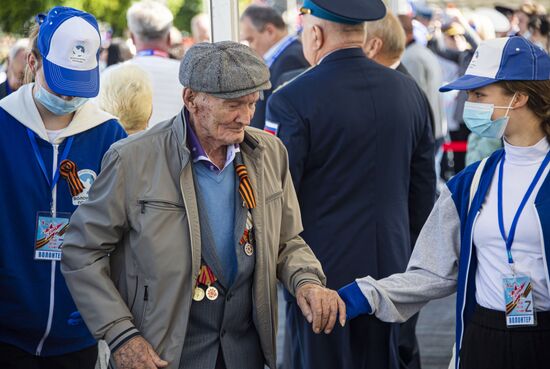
[50, 232]
[518, 300]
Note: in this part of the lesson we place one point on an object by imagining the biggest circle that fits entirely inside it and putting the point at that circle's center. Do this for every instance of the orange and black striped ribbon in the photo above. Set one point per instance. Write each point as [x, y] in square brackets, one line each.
[206, 276]
[245, 187]
[67, 170]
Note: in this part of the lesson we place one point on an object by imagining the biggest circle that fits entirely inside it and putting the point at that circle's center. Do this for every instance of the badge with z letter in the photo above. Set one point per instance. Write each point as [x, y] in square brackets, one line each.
[518, 300]
[50, 232]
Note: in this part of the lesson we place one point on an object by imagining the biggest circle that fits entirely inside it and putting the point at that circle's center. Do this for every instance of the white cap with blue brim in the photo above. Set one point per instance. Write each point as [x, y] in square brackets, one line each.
[69, 42]
[503, 59]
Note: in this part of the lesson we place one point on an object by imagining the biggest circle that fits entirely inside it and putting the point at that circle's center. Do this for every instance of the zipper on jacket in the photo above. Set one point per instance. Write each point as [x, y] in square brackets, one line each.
[146, 301]
[54, 263]
[459, 347]
[160, 204]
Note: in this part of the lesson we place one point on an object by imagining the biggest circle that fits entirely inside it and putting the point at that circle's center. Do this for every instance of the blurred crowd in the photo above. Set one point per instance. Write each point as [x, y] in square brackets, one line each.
[437, 47]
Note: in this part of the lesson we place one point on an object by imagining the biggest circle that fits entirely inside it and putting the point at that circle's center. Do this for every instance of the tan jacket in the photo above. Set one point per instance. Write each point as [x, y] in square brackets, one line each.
[133, 251]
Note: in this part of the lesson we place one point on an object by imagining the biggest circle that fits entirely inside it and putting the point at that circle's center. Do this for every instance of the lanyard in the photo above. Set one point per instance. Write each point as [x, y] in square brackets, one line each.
[153, 52]
[40, 160]
[510, 239]
[280, 50]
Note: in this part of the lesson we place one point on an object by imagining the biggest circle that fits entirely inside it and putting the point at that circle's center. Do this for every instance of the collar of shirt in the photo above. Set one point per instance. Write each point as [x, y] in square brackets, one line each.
[275, 48]
[395, 65]
[198, 153]
[153, 52]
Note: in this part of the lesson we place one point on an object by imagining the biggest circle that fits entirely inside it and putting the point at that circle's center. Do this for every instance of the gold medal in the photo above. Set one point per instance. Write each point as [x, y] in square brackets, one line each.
[248, 249]
[199, 294]
[212, 293]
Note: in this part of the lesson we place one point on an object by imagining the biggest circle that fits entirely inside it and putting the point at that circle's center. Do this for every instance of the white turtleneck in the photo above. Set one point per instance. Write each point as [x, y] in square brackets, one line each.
[520, 167]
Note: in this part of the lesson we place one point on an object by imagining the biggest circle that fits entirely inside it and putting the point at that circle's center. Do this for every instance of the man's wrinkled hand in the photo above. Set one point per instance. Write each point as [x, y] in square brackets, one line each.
[137, 353]
[321, 307]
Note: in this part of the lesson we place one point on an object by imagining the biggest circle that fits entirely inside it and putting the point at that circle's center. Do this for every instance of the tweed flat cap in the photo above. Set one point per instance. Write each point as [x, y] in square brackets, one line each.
[225, 69]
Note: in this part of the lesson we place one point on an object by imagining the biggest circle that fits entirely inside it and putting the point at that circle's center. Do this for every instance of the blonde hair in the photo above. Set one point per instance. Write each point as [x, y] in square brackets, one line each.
[126, 93]
[32, 48]
[392, 34]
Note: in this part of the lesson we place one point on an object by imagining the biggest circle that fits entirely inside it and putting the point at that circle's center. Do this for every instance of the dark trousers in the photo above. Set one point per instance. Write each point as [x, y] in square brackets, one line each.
[12, 357]
[364, 343]
[220, 362]
[409, 354]
[489, 344]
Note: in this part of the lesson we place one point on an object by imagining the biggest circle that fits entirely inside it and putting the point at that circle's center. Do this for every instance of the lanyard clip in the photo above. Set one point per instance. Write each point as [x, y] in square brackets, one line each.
[513, 268]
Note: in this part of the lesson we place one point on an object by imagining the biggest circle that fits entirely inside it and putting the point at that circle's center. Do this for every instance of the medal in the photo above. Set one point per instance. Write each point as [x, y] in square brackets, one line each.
[212, 293]
[199, 294]
[248, 249]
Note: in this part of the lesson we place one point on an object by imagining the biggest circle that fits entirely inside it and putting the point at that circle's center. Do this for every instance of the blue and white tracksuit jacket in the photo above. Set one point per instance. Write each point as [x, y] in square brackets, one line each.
[37, 313]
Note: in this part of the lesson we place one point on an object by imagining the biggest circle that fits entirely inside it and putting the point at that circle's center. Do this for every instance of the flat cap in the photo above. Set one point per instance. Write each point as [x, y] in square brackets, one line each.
[225, 69]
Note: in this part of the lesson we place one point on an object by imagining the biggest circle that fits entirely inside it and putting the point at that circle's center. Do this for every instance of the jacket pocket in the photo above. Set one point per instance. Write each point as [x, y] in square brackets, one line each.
[160, 205]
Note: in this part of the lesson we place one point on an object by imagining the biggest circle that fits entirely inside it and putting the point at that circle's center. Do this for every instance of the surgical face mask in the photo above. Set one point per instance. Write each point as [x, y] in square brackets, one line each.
[57, 105]
[477, 117]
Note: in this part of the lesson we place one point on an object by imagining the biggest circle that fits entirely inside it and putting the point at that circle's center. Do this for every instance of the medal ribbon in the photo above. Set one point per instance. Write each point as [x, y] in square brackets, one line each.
[68, 171]
[206, 276]
[245, 187]
[510, 239]
[40, 160]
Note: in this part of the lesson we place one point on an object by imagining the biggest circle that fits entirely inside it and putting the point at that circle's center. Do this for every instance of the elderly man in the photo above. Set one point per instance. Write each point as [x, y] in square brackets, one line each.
[149, 23]
[385, 42]
[265, 31]
[361, 156]
[15, 72]
[177, 252]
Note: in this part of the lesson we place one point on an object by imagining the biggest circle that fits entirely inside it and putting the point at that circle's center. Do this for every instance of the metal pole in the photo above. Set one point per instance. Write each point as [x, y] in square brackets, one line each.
[291, 11]
[224, 20]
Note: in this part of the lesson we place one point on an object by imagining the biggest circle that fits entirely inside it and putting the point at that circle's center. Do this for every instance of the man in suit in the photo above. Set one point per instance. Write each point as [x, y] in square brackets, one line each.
[385, 45]
[385, 42]
[361, 156]
[265, 31]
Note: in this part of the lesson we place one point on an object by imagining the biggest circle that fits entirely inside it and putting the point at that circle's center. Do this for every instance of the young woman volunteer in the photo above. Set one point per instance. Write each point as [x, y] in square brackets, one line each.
[51, 147]
[488, 237]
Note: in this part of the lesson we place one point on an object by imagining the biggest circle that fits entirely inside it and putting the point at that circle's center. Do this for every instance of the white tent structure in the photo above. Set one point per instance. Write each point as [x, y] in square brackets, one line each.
[224, 16]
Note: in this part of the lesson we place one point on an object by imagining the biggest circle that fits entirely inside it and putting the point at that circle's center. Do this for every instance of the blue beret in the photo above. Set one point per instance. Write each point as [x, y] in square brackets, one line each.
[345, 11]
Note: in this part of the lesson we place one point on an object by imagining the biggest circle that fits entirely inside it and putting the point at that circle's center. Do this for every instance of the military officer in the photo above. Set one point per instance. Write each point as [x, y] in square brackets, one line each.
[361, 156]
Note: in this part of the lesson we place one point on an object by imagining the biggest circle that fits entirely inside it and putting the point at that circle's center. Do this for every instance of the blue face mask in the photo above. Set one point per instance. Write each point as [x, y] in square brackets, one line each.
[477, 117]
[57, 105]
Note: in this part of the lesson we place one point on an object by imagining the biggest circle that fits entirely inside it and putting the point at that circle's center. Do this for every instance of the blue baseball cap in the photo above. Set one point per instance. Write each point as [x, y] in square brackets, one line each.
[345, 11]
[69, 42]
[503, 59]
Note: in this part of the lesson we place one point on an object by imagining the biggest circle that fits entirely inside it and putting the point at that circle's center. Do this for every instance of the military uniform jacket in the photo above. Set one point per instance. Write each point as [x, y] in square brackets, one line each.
[361, 156]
